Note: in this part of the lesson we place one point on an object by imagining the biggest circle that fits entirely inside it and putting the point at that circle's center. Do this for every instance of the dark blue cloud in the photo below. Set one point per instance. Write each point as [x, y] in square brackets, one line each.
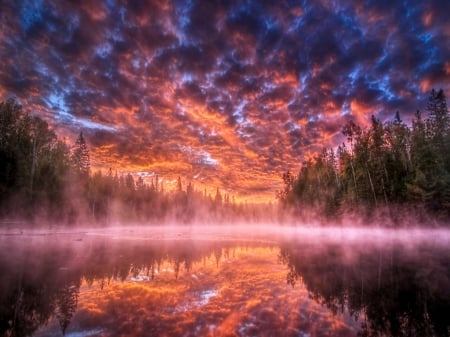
[263, 79]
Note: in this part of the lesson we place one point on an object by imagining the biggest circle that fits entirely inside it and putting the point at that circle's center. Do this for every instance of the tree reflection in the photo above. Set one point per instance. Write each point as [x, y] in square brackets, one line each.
[31, 292]
[66, 304]
[39, 283]
[24, 310]
[392, 291]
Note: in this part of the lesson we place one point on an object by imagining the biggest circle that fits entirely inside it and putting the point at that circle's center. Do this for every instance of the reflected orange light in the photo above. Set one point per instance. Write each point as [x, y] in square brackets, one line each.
[233, 291]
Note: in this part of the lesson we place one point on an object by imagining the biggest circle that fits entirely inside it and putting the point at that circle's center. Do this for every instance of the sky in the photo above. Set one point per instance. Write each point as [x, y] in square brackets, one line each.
[226, 94]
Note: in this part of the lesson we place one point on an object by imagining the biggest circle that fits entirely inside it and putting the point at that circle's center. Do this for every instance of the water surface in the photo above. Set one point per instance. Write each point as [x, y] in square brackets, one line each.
[225, 282]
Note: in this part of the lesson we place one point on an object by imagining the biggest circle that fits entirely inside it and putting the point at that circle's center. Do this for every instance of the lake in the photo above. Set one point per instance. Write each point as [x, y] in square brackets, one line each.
[225, 281]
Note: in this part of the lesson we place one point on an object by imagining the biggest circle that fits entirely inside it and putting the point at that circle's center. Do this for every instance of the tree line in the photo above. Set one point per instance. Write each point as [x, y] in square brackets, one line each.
[45, 179]
[386, 169]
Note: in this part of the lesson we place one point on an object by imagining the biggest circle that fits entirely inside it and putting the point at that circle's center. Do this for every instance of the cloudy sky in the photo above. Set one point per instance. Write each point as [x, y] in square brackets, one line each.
[225, 94]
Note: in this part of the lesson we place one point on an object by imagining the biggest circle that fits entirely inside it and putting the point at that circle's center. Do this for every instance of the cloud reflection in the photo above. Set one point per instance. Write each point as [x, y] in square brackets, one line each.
[140, 284]
[242, 293]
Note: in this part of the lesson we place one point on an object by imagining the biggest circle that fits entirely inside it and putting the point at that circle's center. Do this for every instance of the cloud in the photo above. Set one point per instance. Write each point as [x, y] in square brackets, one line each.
[253, 87]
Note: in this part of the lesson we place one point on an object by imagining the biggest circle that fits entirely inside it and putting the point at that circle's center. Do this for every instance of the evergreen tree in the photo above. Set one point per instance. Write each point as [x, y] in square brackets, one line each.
[440, 126]
[129, 183]
[398, 163]
[33, 163]
[218, 198]
[387, 164]
[285, 195]
[430, 149]
[80, 157]
[439, 115]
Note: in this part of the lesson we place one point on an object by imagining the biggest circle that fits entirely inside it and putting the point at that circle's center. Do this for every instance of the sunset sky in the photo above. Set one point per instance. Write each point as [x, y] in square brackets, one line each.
[226, 94]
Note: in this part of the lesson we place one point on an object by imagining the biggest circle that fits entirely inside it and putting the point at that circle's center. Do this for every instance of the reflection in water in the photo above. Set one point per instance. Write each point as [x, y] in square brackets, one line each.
[393, 290]
[90, 286]
[34, 287]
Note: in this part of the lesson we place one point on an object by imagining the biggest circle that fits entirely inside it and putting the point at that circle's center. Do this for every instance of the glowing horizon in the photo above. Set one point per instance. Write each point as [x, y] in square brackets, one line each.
[224, 96]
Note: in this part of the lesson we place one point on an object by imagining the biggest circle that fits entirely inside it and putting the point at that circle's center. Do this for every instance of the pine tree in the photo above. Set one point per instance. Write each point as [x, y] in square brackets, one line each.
[80, 157]
[439, 122]
[439, 114]
[140, 184]
[398, 161]
[218, 197]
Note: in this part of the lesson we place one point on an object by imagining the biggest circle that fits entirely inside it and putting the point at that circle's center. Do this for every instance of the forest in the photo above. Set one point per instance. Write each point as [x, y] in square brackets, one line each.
[385, 171]
[45, 180]
[389, 171]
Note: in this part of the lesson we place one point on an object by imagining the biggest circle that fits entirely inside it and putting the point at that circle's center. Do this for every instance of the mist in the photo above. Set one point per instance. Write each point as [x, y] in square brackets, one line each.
[224, 168]
[224, 279]
[382, 179]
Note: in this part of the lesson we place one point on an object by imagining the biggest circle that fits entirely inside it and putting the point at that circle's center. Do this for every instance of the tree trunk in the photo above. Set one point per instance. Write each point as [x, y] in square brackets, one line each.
[371, 186]
[354, 179]
[33, 167]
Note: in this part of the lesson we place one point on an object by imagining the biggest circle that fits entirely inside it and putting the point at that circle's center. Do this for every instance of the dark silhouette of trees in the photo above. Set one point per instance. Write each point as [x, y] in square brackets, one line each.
[285, 193]
[384, 168]
[33, 164]
[79, 158]
[52, 181]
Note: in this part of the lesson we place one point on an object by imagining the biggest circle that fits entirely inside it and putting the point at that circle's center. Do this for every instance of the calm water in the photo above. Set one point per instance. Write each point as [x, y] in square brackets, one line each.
[203, 282]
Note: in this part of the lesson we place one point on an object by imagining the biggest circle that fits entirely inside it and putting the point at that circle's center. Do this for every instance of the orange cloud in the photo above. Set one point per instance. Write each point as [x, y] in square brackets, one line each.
[361, 112]
[240, 96]
[427, 18]
[425, 85]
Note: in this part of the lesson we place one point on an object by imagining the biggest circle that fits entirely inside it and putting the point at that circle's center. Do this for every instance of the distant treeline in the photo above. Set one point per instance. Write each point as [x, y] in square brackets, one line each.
[389, 169]
[45, 179]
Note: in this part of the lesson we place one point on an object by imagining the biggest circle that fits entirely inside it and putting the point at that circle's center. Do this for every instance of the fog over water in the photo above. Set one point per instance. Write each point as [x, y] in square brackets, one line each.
[224, 281]
[317, 234]
[224, 168]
